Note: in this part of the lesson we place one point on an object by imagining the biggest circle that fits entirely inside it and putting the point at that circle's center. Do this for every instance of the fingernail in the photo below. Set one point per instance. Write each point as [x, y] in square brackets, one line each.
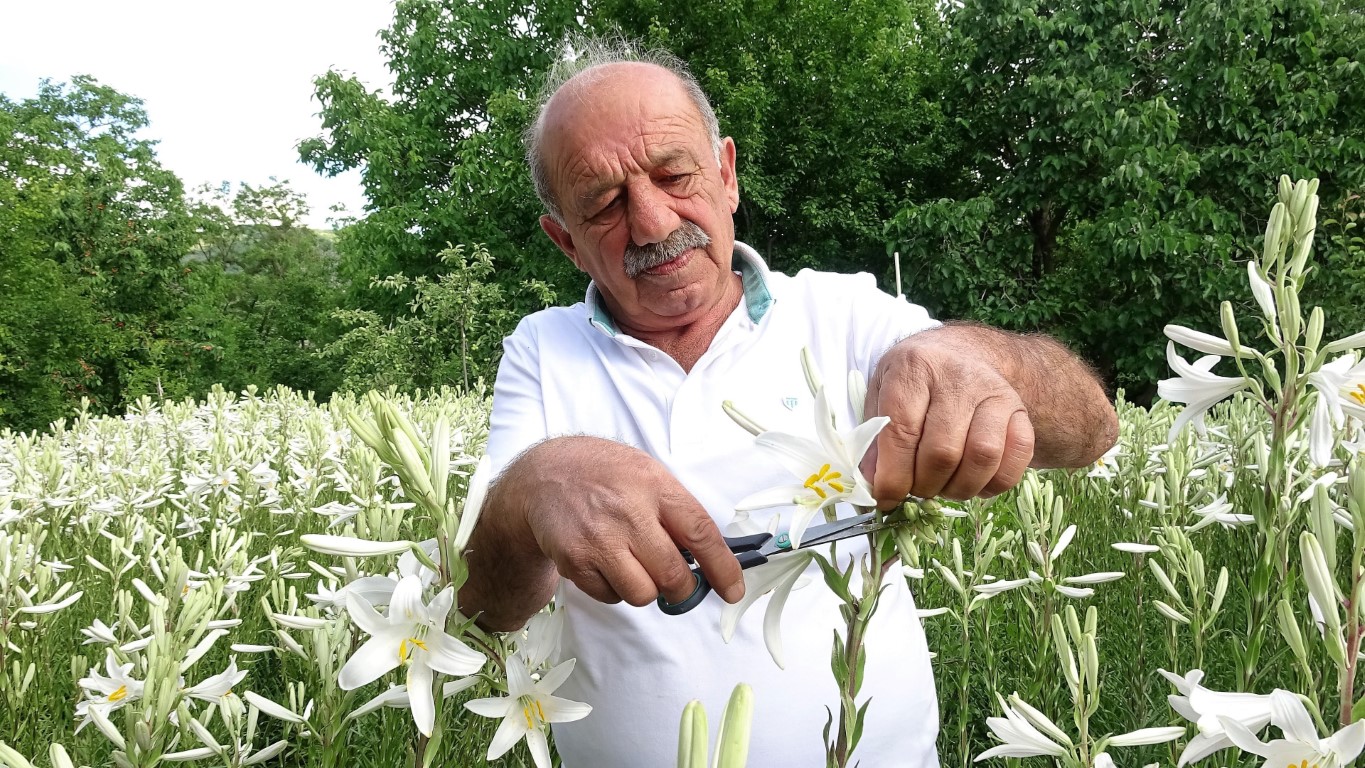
[734, 593]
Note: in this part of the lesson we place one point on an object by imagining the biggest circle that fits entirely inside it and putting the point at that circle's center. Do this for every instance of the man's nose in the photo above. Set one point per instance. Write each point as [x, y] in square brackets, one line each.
[650, 216]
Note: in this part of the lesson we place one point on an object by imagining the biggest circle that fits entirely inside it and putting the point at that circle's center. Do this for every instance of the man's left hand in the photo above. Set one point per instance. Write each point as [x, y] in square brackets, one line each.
[958, 428]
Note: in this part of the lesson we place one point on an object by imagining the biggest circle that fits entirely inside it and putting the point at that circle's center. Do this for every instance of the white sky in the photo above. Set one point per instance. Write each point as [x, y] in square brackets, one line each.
[227, 85]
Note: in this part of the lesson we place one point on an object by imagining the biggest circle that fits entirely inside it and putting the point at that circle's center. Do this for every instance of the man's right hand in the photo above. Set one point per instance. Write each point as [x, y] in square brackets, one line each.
[608, 517]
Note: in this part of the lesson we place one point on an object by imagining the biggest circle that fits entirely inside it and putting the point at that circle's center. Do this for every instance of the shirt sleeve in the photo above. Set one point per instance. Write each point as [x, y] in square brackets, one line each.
[518, 418]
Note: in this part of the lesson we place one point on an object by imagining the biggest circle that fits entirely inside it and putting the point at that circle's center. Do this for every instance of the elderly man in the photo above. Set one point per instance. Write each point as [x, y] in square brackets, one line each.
[615, 452]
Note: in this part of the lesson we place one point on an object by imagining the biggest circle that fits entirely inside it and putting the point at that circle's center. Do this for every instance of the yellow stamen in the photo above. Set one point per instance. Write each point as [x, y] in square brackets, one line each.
[1358, 394]
[526, 710]
[838, 487]
[120, 694]
[404, 651]
[818, 492]
[540, 711]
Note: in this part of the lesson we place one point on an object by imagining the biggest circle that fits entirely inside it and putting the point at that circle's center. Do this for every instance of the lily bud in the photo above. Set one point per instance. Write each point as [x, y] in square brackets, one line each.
[1285, 189]
[56, 753]
[732, 741]
[692, 736]
[1230, 328]
[1319, 580]
[1314, 337]
[1170, 613]
[1289, 628]
[1220, 591]
[1271, 254]
[9, 756]
[812, 373]
[737, 416]
[1165, 582]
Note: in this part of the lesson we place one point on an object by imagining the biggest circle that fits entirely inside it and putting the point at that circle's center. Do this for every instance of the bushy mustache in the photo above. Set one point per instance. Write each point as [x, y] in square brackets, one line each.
[639, 258]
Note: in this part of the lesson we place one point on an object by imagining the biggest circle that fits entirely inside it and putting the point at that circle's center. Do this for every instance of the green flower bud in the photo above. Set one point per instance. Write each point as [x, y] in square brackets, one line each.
[1289, 628]
[732, 741]
[1230, 327]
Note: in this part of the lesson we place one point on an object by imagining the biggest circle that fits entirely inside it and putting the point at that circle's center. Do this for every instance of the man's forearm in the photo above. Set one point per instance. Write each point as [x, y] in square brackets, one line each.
[509, 577]
[1073, 419]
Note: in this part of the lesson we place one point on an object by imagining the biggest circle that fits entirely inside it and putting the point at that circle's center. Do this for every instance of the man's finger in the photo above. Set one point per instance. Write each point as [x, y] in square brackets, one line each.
[628, 578]
[1017, 456]
[982, 452]
[694, 530]
[890, 465]
[946, 425]
[665, 564]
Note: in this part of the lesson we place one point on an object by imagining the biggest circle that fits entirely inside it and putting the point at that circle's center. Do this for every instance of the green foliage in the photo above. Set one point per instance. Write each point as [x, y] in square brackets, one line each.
[441, 159]
[91, 232]
[1118, 155]
[830, 105]
[451, 332]
[262, 292]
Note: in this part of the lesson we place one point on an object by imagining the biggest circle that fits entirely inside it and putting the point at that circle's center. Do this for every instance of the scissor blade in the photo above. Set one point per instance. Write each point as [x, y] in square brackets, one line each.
[858, 525]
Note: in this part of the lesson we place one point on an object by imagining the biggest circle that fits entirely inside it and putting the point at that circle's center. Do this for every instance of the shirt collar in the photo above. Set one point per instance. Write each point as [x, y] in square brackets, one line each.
[753, 273]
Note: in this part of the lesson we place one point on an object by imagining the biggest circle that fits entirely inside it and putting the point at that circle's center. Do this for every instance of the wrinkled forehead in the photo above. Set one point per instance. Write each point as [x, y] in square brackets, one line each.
[616, 113]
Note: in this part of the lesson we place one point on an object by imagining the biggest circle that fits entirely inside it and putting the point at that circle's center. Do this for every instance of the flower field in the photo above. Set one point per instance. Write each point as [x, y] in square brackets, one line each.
[259, 579]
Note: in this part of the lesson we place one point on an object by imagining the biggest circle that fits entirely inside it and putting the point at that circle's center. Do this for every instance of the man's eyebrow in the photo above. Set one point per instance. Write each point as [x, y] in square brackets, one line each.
[669, 157]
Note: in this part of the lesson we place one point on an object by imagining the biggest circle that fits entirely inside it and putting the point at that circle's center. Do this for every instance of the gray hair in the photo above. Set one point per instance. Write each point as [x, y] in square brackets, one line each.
[583, 53]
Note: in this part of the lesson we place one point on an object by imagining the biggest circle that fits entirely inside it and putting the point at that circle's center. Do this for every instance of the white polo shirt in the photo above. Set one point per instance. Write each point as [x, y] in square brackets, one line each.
[567, 371]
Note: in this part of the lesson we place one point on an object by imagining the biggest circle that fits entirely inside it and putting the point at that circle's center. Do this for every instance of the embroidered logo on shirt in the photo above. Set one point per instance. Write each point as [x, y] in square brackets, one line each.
[790, 403]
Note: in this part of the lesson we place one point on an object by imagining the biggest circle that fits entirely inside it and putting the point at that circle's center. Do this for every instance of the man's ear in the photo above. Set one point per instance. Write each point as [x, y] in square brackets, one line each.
[728, 172]
[561, 238]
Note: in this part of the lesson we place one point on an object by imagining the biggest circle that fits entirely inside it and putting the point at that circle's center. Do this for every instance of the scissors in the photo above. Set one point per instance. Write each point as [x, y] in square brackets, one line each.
[755, 549]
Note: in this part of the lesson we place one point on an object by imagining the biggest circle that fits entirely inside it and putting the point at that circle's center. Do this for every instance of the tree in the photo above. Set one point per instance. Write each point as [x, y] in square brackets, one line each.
[451, 334]
[830, 105]
[441, 160]
[91, 232]
[1120, 155]
[262, 290]
[825, 101]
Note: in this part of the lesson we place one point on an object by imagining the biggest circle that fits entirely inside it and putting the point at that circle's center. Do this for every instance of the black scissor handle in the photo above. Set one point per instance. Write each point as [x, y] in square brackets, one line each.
[703, 588]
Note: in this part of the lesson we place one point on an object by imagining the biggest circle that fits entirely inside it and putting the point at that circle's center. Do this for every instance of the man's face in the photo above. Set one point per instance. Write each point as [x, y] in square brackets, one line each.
[647, 208]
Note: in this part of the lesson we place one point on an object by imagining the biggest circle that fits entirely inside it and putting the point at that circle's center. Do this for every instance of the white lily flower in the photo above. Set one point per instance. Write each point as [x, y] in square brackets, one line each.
[1136, 549]
[397, 696]
[1218, 511]
[1107, 466]
[527, 708]
[1205, 708]
[1075, 593]
[1341, 391]
[43, 608]
[1260, 288]
[349, 546]
[277, 711]
[105, 693]
[1003, 585]
[1203, 342]
[412, 635]
[185, 756]
[830, 468]
[777, 576]
[1354, 341]
[1195, 386]
[473, 502]
[99, 632]
[1301, 744]
[1099, 577]
[1145, 736]
[1063, 542]
[1018, 736]
[215, 687]
[540, 642]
